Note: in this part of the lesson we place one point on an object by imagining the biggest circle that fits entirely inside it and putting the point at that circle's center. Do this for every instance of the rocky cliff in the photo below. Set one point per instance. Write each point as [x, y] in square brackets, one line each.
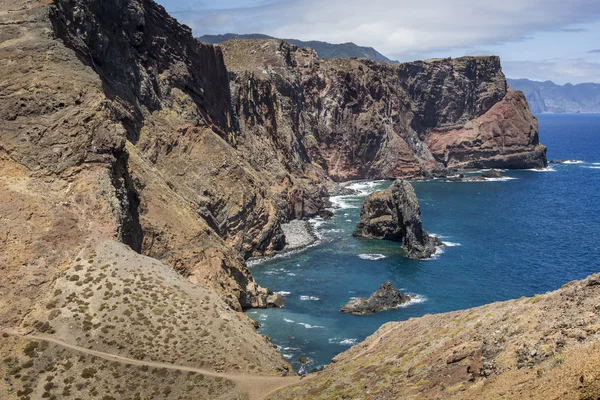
[358, 119]
[117, 125]
[395, 214]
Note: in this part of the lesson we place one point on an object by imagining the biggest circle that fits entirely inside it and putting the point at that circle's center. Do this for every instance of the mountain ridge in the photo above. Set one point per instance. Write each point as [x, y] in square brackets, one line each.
[323, 49]
[548, 97]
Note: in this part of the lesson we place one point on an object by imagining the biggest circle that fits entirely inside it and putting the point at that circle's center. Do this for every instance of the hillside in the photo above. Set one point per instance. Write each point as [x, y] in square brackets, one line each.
[548, 97]
[323, 49]
[140, 169]
[544, 347]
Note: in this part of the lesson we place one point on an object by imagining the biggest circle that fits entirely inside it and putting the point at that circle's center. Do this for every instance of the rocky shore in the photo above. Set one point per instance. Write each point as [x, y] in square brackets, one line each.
[298, 234]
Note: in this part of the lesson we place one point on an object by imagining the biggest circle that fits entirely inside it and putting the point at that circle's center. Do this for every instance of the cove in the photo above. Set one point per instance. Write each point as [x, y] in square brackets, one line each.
[521, 236]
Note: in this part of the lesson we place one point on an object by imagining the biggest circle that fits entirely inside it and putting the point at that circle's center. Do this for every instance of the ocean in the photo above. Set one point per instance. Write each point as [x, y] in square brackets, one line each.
[527, 234]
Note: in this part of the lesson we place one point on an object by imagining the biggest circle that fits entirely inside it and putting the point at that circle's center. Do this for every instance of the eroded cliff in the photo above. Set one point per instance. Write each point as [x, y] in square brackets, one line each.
[359, 119]
[117, 125]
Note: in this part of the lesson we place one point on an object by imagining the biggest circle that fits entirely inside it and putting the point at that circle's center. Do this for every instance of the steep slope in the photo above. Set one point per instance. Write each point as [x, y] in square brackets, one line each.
[121, 134]
[544, 347]
[86, 103]
[323, 49]
[360, 119]
[548, 97]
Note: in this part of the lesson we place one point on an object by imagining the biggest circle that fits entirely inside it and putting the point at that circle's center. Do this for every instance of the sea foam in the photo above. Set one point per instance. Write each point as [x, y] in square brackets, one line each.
[309, 326]
[343, 342]
[372, 257]
[547, 169]
[310, 298]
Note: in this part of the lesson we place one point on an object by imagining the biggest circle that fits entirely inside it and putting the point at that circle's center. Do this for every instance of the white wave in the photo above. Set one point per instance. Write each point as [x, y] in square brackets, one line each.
[343, 342]
[291, 348]
[263, 317]
[417, 299]
[573, 162]
[438, 252]
[340, 203]
[348, 220]
[291, 274]
[596, 163]
[590, 167]
[346, 215]
[289, 321]
[308, 326]
[372, 257]
[502, 179]
[364, 188]
[284, 294]
[452, 244]
[547, 169]
[287, 356]
[438, 236]
[310, 298]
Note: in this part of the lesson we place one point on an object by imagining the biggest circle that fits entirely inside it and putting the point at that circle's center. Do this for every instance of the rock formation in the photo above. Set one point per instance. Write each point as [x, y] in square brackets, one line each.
[490, 174]
[359, 119]
[395, 214]
[387, 296]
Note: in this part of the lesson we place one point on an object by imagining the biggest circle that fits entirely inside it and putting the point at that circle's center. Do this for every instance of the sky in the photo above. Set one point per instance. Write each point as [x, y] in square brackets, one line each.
[556, 40]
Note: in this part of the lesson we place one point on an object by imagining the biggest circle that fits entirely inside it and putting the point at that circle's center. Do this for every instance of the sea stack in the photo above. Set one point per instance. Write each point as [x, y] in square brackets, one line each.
[395, 214]
[387, 296]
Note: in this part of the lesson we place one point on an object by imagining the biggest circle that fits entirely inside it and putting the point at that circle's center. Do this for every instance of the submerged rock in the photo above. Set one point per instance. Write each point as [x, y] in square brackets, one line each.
[394, 214]
[492, 173]
[387, 296]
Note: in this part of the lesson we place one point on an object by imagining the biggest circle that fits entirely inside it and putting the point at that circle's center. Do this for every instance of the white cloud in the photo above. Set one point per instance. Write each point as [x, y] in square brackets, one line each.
[558, 71]
[397, 27]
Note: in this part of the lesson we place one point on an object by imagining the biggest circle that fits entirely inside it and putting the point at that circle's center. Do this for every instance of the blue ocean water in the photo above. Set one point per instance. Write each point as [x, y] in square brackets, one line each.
[511, 238]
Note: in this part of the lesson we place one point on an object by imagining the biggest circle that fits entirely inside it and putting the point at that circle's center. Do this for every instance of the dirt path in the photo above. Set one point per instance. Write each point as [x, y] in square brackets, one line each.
[257, 387]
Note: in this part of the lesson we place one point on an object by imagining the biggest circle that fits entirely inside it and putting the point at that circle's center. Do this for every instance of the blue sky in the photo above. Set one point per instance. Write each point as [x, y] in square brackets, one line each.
[557, 40]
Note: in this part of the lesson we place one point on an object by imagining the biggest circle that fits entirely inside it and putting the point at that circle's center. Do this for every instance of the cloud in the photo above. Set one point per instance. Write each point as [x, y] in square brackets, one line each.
[398, 27]
[560, 72]
[595, 51]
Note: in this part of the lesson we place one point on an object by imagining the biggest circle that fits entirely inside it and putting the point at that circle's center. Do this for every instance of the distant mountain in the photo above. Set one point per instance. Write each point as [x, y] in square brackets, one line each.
[323, 49]
[548, 97]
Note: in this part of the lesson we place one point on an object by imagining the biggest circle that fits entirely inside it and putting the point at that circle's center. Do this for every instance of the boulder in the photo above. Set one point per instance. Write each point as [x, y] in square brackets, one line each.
[387, 296]
[492, 173]
[394, 214]
[275, 301]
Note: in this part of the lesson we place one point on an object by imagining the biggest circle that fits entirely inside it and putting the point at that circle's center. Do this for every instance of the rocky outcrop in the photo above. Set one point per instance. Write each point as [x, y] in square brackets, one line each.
[387, 296]
[487, 175]
[395, 214]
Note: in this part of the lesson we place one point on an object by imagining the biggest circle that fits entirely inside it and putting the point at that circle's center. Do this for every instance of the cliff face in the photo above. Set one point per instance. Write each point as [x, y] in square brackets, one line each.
[201, 165]
[359, 119]
[202, 207]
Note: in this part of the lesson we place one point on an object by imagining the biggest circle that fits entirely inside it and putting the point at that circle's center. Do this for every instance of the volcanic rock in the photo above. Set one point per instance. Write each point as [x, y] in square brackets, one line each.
[395, 214]
[275, 301]
[492, 173]
[387, 296]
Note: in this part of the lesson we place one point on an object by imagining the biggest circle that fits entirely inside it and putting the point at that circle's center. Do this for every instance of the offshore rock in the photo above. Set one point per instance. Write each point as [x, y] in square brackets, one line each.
[387, 296]
[395, 214]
